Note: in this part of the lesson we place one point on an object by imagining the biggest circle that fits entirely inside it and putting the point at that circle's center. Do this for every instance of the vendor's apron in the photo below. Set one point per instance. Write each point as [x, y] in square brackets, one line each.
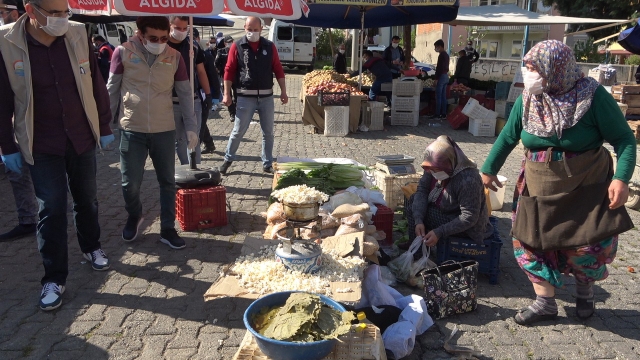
[565, 204]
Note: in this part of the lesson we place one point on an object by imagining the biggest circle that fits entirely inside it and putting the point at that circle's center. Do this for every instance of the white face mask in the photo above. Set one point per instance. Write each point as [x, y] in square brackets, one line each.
[341, 51]
[178, 35]
[253, 36]
[56, 26]
[154, 48]
[440, 175]
[394, 45]
[532, 81]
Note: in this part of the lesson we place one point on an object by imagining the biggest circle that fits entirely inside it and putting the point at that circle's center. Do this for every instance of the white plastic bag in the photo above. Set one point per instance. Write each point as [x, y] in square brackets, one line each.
[399, 338]
[341, 199]
[374, 291]
[423, 262]
[402, 266]
[371, 197]
[387, 276]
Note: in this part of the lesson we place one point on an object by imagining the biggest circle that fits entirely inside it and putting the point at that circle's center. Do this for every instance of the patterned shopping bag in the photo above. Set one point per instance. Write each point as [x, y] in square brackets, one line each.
[451, 288]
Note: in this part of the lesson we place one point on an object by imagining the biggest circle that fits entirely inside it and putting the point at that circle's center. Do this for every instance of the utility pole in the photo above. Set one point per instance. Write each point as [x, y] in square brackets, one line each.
[526, 33]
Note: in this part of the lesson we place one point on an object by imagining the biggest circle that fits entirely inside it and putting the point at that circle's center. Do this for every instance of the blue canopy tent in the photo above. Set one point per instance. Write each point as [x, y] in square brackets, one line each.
[630, 39]
[355, 15]
[361, 14]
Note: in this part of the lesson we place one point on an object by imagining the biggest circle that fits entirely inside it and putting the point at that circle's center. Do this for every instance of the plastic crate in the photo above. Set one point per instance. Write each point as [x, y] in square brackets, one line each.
[462, 100]
[404, 118]
[201, 208]
[407, 87]
[487, 255]
[507, 109]
[457, 119]
[474, 110]
[391, 186]
[405, 103]
[502, 90]
[514, 93]
[500, 108]
[336, 121]
[482, 127]
[341, 98]
[383, 220]
[373, 115]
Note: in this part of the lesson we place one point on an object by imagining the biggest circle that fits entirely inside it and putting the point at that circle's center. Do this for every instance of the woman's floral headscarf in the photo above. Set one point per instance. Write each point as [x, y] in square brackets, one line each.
[567, 95]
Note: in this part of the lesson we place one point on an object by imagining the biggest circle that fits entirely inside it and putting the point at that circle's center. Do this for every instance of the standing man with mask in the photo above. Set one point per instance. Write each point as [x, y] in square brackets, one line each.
[51, 86]
[340, 61]
[8, 12]
[105, 51]
[214, 84]
[220, 63]
[394, 57]
[21, 182]
[179, 41]
[144, 72]
[252, 62]
[379, 69]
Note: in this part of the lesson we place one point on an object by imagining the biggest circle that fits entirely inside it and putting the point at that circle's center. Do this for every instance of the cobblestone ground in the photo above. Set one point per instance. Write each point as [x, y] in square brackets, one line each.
[149, 305]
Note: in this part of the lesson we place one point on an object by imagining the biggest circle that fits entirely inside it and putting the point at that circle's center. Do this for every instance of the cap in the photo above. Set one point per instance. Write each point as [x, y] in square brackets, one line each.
[228, 39]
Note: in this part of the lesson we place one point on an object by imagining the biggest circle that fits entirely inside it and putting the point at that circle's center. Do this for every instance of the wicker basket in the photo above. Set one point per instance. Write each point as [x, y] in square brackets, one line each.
[352, 346]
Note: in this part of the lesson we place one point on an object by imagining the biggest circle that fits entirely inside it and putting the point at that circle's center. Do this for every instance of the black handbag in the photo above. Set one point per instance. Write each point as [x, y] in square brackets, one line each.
[450, 288]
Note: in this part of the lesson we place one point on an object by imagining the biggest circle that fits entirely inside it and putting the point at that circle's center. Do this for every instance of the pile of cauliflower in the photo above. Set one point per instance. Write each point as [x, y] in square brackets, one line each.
[262, 274]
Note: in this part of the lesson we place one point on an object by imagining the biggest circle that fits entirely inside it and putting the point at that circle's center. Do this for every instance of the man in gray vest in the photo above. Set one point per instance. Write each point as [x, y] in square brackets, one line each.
[21, 182]
[252, 62]
[144, 72]
[50, 84]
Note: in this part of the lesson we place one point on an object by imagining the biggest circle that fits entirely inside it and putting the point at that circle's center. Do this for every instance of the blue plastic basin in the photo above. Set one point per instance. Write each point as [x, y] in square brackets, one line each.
[286, 350]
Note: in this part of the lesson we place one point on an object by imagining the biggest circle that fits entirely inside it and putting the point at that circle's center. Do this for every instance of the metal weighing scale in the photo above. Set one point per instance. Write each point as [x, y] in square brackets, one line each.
[296, 253]
[395, 164]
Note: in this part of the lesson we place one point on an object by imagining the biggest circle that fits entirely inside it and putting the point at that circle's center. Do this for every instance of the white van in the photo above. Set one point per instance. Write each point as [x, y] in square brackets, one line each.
[115, 33]
[296, 44]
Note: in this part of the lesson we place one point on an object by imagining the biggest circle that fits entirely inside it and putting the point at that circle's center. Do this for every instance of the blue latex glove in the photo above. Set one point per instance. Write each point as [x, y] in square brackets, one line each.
[13, 162]
[215, 101]
[106, 140]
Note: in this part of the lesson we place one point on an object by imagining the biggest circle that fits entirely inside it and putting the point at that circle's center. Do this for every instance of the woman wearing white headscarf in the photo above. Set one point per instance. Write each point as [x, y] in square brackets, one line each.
[568, 204]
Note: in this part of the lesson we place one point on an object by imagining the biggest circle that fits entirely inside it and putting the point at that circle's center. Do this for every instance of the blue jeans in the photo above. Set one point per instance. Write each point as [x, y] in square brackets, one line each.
[441, 95]
[245, 108]
[24, 195]
[181, 132]
[53, 176]
[134, 148]
[376, 88]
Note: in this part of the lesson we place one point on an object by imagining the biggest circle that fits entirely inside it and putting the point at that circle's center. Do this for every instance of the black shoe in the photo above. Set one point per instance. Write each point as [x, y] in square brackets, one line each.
[268, 169]
[171, 238]
[208, 149]
[232, 118]
[130, 231]
[19, 232]
[527, 316]
[585, 307]
[225, 167]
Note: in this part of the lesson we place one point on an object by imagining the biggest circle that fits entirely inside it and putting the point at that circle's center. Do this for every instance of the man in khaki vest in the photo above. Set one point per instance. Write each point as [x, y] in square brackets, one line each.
[51, 85]
[144, 71]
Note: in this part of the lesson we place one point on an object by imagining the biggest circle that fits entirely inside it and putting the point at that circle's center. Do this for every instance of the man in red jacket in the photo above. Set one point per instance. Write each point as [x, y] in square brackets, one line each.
[252, 62]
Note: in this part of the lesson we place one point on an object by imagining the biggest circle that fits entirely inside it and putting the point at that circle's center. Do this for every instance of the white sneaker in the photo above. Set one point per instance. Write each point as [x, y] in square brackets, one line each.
[51, 296]
[98, 258]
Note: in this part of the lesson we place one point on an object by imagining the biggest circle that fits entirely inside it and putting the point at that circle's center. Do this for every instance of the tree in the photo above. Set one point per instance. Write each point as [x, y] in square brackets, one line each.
[609, 9]
[323, 45]
[633, 60]
[474, 34]
[587, 52]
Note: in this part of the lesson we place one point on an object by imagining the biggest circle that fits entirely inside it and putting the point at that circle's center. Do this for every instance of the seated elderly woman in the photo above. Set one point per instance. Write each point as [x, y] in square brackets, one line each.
[450, 199]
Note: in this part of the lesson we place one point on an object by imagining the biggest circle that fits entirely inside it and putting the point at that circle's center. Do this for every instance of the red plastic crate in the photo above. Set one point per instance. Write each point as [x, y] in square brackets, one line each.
[201, 208]
[462, 100]
[490, 104]
[457, 119]
[383, 220]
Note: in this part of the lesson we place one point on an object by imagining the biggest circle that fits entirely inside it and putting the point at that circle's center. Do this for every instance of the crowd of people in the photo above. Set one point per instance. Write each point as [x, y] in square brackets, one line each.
[60, 92]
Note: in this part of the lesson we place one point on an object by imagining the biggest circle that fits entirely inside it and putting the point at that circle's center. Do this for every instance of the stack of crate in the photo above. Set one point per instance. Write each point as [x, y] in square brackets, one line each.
[629, 96]
[405, 101]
